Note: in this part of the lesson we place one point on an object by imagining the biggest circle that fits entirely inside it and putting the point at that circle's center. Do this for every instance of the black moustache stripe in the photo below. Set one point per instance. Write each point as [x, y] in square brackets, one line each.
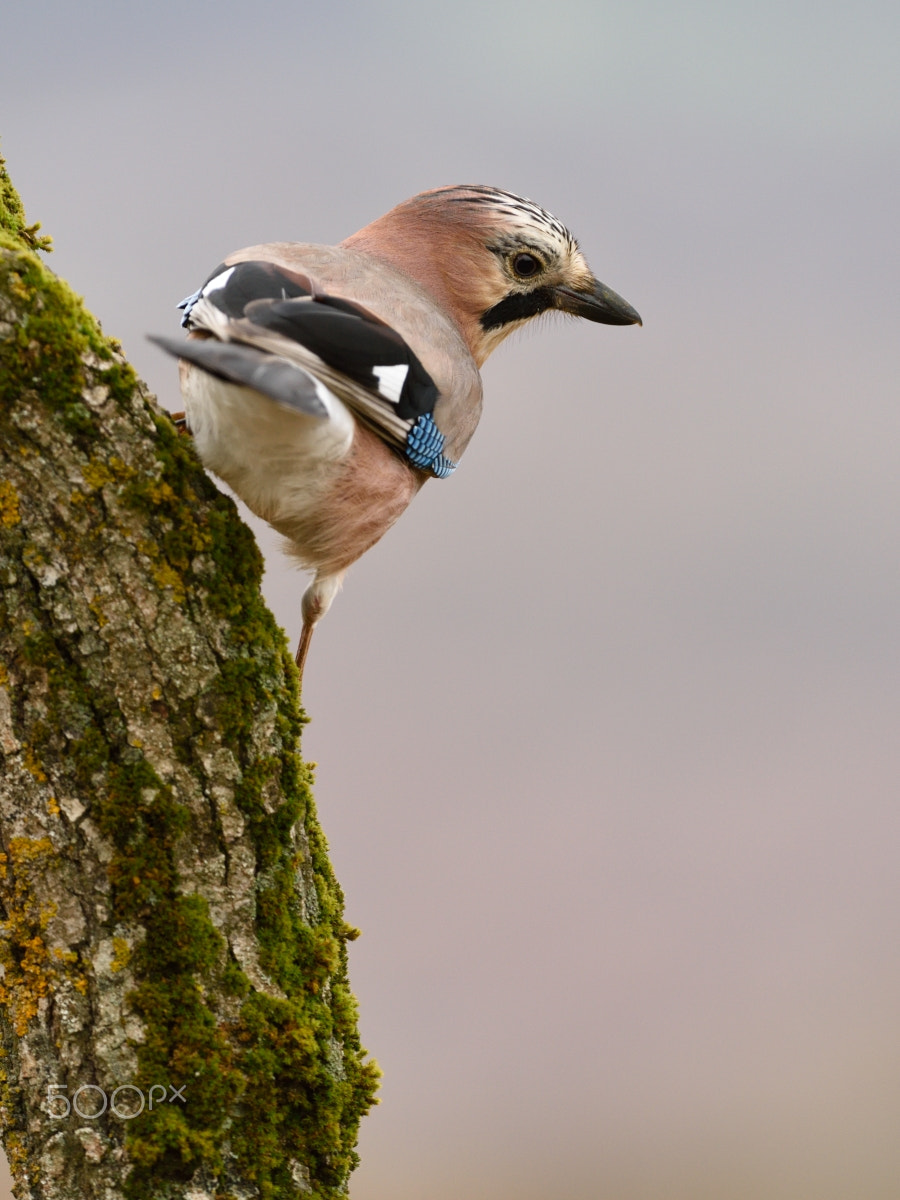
[517, 306]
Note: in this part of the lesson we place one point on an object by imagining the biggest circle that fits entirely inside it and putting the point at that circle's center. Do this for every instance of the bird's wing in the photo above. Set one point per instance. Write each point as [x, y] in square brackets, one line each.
[271, 310]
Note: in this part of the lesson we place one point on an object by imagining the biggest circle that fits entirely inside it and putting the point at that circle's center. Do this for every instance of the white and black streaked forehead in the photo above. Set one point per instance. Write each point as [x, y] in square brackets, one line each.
[517, 213]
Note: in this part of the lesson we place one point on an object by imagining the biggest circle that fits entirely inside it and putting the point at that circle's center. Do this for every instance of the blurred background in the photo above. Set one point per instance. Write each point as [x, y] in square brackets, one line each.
[623, 843]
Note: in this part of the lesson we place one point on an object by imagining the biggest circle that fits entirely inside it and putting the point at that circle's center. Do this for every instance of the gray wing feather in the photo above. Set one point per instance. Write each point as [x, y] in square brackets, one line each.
[283, 381]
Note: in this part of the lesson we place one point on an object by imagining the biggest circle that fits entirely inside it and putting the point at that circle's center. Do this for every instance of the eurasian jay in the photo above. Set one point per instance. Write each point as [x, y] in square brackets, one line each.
[326, 384]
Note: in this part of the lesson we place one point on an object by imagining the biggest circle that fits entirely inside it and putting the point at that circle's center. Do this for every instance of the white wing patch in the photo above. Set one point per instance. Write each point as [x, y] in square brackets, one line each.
[217, 282]
[391, 380]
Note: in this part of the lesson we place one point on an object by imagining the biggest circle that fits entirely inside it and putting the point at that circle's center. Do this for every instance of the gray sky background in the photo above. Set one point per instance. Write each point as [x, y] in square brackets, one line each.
[607, 726]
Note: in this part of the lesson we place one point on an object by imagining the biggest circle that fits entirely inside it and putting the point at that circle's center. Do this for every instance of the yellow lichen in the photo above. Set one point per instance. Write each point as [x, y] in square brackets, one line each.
[23, 851]
[33, 557]
[9, 505]
[31, 970]
[167, 577]
[159, 492]
[96, 474]
[28, 969]
[33, 766]
[121, 954]
[96, 608]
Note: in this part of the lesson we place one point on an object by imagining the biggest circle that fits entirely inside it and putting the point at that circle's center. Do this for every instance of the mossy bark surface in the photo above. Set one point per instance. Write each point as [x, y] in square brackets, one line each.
[170, 920]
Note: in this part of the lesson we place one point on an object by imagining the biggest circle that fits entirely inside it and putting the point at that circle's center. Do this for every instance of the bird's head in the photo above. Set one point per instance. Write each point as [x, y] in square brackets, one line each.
[494, 260]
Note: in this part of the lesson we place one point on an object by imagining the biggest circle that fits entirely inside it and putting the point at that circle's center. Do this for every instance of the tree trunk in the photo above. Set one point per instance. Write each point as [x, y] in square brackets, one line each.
[176, 1019]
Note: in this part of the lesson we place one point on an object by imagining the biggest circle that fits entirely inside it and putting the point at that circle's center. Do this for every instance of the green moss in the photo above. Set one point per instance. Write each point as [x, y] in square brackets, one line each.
[47, 347]
[286, 1080]
[184, 1046]
[12, 217]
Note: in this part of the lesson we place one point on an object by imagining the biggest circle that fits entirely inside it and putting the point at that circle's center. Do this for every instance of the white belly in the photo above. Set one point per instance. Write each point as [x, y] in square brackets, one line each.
[279, 461]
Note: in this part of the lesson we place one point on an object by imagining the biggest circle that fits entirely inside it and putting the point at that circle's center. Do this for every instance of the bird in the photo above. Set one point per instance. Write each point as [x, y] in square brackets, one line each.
[326, 384]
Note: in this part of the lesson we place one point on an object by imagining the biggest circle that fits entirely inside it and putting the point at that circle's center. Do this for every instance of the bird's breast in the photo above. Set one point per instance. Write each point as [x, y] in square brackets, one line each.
[369, 491]
[331, 487]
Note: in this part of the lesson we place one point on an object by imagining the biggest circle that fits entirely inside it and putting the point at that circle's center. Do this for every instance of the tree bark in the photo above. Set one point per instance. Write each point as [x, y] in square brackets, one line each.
[171, 926]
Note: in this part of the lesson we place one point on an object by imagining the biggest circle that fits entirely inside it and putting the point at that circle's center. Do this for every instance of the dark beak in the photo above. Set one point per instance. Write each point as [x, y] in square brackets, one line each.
[600, 304]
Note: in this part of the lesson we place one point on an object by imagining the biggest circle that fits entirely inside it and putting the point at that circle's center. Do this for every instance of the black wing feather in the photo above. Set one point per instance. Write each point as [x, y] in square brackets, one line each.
[253, 281]
[346, 336]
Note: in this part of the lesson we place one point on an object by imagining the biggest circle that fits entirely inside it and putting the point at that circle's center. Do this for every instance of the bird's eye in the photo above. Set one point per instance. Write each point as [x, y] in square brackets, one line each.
[526, 265]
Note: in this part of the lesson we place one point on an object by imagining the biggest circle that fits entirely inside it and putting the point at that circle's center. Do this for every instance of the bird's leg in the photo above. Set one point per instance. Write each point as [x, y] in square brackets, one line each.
[303, 649]
[315, 604]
